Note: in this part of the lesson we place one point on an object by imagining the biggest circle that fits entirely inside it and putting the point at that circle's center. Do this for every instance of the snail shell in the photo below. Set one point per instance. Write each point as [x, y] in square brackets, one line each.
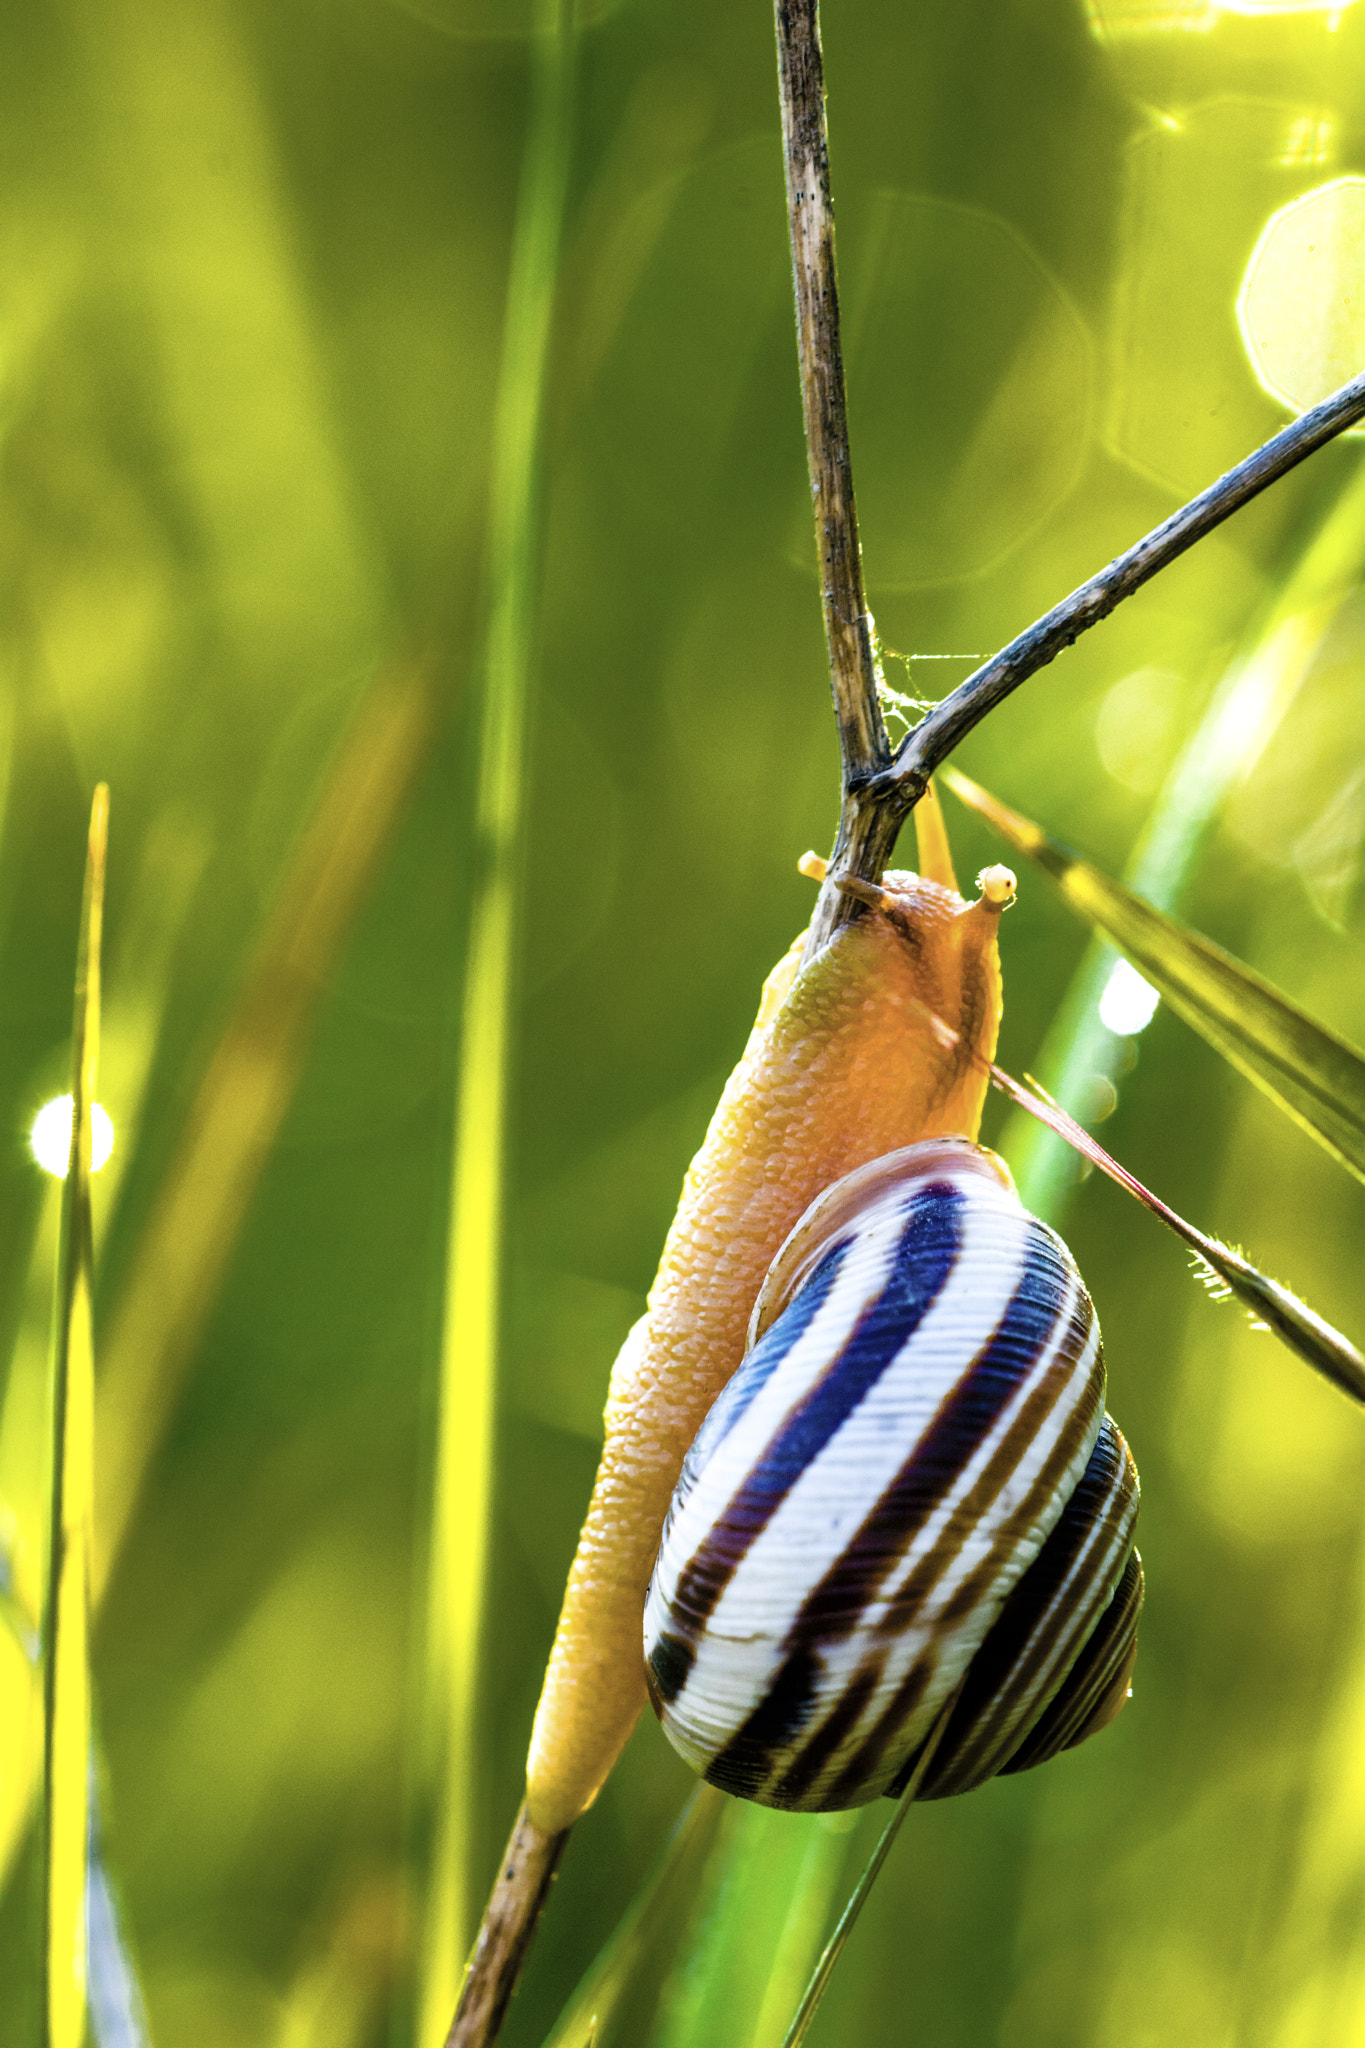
[909, 1486]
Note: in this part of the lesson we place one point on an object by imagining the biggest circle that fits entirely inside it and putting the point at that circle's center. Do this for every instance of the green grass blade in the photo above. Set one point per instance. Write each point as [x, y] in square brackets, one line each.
[623, 1984]
[1317, 1078]
[1256, 692]
[463, 1479]
[746, 1947]
[66, 1671]
[758, 1926]
[834, 1947]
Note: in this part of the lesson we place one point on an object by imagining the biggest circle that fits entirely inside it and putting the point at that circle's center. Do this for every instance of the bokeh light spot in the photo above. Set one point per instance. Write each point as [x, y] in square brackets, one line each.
[1333, 9]
[50, 1137]
[1301, 307]
[1138, 727]
[970, 374]
[1116, 19]
[1129, 1003]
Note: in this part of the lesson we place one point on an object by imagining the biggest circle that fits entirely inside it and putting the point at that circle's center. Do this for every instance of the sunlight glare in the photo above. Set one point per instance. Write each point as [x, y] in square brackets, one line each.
[1301, 308]
[1128, 1004]
[1333, 9]
[50, 1137]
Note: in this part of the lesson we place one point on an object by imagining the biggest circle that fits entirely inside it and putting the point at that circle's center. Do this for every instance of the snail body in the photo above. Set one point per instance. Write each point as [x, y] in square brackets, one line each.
[844, 1065]
[909, 1489]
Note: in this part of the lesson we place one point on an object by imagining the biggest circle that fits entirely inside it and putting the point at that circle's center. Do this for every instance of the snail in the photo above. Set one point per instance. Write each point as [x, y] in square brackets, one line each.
[908, 1490]
[847, 1064]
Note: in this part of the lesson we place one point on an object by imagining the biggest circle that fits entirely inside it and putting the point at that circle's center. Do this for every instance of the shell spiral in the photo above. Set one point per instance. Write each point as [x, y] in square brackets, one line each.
[908, 1490]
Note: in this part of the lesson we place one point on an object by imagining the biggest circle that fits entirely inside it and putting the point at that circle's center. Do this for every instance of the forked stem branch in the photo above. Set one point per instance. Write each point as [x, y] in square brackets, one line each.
[879, 790]
[876, 805]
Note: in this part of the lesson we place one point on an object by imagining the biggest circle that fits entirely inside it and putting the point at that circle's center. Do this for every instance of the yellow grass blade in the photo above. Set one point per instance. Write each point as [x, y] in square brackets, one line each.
[170, 1288]
[66, 1675]
[463, 1479]
[1315, 1077]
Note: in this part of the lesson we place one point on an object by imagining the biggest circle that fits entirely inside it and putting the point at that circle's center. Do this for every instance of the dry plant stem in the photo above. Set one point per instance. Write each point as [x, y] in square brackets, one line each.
[514, 1907]
[866, 832]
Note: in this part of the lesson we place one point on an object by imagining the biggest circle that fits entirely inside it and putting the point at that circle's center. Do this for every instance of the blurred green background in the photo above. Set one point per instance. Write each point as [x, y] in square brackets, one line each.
[253, 265]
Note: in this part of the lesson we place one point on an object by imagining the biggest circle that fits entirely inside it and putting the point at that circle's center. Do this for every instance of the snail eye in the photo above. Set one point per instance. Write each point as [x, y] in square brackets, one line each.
[909, 1487]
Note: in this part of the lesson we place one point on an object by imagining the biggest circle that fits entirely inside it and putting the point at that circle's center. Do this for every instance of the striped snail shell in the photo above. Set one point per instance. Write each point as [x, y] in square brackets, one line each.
[909, 1486]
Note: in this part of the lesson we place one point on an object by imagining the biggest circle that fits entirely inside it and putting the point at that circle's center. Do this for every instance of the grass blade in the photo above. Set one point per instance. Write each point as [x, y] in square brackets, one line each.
[173, 1279]
[118, 2016]
[624, 1982]
[1255, 694]
[1317, 1078]
[66, 1620]
[756, 1929]
[21, 1710]
[14, 1615]
[469, 1344]
[834, 1947]
[1297, 1325]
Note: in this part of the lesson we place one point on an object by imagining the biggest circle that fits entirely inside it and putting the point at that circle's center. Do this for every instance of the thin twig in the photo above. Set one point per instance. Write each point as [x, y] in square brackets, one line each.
[934, 738]
[514, 1907]
[863, 846]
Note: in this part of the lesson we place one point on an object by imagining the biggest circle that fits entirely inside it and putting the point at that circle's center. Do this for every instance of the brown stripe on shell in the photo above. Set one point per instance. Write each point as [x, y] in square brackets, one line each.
[1027, 1655]
[811, 1623]
[868, 1761]
[1036, 1409]
[797, 1777]
[1097, 1685]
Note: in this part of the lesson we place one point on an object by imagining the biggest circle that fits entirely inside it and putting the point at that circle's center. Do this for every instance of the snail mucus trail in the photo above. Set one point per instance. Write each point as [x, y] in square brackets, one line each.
[856, 1461]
